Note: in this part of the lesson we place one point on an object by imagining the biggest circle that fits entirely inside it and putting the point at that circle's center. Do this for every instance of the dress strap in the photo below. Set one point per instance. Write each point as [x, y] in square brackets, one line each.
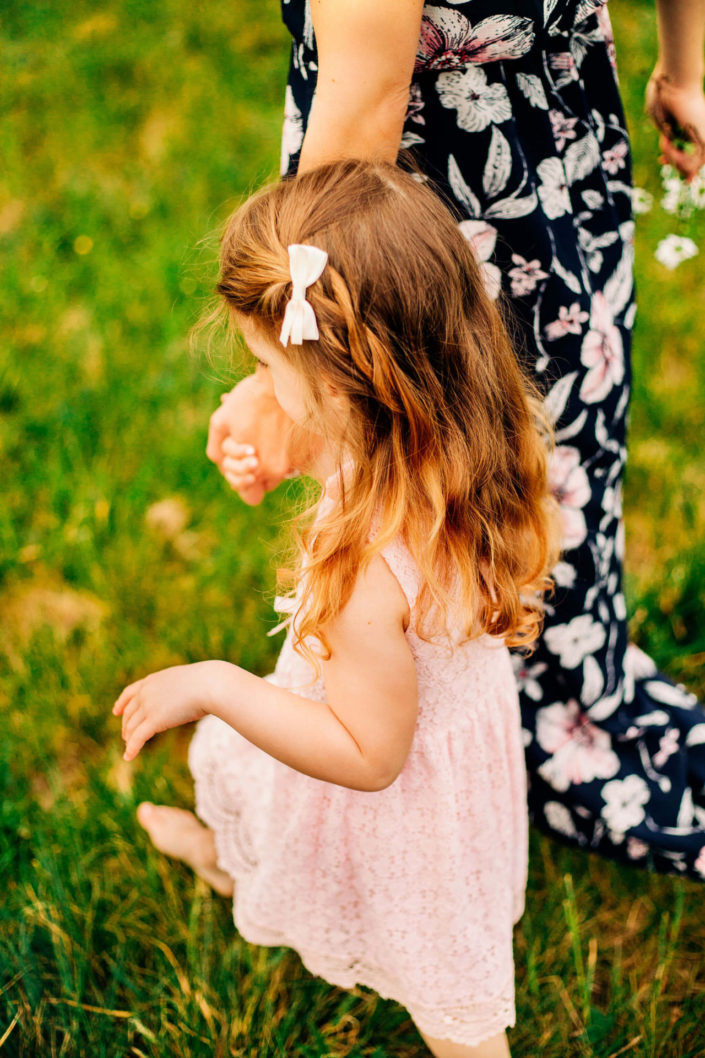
[399, 559]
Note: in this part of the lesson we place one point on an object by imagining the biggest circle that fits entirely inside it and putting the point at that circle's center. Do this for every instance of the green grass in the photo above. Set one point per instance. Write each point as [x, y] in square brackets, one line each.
[128, 132]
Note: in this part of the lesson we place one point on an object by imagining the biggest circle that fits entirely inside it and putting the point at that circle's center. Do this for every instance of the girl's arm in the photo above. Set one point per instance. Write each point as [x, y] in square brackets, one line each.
[674, 96]
[366, 52]
[360, 738]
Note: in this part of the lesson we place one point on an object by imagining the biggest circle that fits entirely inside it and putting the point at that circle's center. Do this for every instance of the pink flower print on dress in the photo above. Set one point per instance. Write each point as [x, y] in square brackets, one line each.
[525, 275]
[668, 745]
[449, 42]
[482, 238]
[580, 751]
[615, 158]
[415, 106]
[569, 484]
[563, 128]
[602, 353]
[570, 321]
[527, 677]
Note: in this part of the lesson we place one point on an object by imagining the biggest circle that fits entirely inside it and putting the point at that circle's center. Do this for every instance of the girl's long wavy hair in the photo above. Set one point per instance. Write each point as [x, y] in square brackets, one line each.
[442, 428]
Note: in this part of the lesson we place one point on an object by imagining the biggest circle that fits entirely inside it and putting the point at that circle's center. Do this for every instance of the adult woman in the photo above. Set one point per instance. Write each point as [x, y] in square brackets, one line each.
[515, 115]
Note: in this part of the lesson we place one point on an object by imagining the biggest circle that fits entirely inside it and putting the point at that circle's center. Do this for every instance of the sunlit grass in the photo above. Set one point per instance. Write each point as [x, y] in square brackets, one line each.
[128, 132]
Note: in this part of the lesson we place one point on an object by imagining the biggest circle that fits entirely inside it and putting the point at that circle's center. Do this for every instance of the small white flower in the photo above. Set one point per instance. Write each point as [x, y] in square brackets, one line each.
[478, 103]
[575, 640]
[642, 200]
[674, 249]
[559, 818]
[624, 802]
[553, 190]
[564, 574]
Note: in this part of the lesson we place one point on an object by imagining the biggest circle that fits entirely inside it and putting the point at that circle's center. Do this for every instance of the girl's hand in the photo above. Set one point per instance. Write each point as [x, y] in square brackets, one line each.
[678, 112]
[239, 466]
[249, 417]
[164, 700]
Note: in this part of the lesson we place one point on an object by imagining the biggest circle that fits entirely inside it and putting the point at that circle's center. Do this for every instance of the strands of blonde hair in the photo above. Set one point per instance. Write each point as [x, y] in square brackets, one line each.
[442, 427]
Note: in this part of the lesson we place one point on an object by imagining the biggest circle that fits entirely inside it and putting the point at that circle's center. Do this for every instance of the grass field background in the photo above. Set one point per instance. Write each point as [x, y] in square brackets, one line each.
[129, 131]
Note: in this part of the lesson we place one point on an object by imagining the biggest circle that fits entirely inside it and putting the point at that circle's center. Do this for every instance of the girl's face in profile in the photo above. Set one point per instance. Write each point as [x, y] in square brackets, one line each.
[290, 388]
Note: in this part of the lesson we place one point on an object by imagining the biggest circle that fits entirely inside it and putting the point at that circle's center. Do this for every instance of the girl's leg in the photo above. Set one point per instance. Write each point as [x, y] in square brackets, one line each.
[178, 833]
[497, 1047]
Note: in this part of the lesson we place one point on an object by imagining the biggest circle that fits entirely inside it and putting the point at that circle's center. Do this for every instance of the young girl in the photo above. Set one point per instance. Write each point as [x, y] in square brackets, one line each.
[368, 798]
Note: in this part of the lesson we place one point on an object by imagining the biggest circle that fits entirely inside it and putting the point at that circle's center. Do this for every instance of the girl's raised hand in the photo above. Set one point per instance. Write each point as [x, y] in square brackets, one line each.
[165, 699]
[239, 466]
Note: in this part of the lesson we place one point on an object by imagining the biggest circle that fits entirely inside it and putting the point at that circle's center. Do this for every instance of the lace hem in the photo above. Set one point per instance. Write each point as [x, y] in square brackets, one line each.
[467, 1026]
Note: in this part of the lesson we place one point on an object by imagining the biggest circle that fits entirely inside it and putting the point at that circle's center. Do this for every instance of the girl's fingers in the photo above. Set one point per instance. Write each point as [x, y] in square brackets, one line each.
[138, 738]
[237, 483]
[125, 697]
[238, 450]
[247, 465]
[131, 719]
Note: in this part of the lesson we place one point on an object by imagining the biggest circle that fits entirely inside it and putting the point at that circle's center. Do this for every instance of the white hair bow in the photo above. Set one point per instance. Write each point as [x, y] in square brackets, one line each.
[306, 263]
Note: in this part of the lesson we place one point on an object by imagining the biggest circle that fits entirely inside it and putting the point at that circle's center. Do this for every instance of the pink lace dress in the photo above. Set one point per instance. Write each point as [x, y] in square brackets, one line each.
[413, 890]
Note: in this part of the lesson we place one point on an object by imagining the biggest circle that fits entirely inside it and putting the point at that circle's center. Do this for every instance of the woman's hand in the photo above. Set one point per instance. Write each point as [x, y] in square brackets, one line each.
[164, 700]
[249, 418]
[678, 112]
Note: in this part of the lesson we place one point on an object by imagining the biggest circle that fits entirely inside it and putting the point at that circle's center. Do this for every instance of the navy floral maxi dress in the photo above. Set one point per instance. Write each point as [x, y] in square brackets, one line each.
[514, 112]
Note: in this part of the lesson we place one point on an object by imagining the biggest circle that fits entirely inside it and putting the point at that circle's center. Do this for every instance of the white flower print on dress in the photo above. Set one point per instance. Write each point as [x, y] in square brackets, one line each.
[570, 321]
[569, 483]
[564, 574]
[580, 751]
[449, 42]
[624, 802]
[553, 190]
[478, 103]
[292, 131]
[482, 238]
[563, 128]
[525, 275]
[575, 640]
[602, 352]
[559, 818]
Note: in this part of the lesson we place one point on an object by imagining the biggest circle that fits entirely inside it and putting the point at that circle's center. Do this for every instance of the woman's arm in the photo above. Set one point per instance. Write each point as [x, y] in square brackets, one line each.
[366, 52]
[674, 95]
[360, 738]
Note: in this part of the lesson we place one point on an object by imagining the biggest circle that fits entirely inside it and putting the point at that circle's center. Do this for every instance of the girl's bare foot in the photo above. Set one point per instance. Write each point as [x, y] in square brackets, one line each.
[178, 833]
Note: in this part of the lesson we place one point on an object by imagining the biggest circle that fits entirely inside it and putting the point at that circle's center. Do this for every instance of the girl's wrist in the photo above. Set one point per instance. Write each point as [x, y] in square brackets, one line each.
[221, 686]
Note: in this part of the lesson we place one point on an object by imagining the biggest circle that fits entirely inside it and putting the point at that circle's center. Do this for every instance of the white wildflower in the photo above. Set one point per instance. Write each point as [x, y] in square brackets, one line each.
[642, 200]
[674, 249]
